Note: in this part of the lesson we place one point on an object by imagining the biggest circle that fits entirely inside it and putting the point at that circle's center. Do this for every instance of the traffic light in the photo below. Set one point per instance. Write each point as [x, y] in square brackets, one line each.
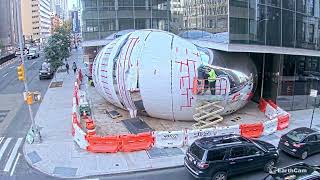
[20, 70]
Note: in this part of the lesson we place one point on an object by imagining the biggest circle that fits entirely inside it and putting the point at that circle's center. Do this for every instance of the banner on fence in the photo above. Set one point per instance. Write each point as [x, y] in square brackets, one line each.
[169, 138]
[195, 134]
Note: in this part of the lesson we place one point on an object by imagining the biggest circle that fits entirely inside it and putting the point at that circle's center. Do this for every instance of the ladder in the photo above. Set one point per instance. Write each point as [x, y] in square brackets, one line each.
[209, 106]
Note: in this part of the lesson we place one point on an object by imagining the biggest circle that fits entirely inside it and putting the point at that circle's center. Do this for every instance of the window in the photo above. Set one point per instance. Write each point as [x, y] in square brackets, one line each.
[311, 33]
[238, 152]
[196, 151]
[253, 151]
[216, 155]
[311, 138]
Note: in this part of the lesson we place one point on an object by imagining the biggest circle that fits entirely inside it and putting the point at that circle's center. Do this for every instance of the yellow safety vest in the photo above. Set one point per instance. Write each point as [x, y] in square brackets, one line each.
[212, 76]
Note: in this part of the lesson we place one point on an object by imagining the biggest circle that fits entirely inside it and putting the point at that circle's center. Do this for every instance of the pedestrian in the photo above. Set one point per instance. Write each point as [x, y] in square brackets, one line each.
[212, 80]
[67, 67]
[74, 67]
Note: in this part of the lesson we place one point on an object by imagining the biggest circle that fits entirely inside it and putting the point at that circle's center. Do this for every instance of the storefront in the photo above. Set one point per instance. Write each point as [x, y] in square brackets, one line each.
[287, 79]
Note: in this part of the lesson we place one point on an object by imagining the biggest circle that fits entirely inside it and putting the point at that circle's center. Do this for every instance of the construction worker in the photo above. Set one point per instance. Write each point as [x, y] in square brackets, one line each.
[212, 80]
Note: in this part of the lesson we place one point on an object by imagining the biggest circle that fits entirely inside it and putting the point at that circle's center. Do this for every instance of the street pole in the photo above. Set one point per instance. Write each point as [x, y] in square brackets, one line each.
[34, 128]
[315, 101]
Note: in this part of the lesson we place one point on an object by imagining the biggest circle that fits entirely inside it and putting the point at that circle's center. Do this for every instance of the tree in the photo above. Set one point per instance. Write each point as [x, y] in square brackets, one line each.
[57, 48]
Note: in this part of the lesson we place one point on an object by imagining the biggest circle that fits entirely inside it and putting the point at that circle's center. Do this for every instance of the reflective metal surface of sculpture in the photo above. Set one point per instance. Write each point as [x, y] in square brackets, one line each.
[164, 75]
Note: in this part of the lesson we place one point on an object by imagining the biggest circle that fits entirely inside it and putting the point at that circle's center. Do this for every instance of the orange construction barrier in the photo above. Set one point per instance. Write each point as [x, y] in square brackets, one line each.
[272, 104]
[262, 105]
[283, 121]
[251, 130]
[90, 125]
[131, 142]
[98, 144]
[91, 132]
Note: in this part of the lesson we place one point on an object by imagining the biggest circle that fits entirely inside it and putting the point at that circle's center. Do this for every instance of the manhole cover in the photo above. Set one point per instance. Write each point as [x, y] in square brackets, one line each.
[136, 125]
[34, 157]
[61, 70]
[3, 114]
[56, 84]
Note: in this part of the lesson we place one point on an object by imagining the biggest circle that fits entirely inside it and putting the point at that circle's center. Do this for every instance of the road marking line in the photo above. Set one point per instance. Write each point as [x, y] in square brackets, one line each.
[4, 147]
[1, 139]
[15, 164]
[5, 75]
[11, 67]
[33, 63]
[12, 155]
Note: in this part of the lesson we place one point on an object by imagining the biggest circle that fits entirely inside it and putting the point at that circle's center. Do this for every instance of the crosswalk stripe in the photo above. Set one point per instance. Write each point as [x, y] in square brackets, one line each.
[1, 139]
[4, 147]
[13, 155]
[14, 165]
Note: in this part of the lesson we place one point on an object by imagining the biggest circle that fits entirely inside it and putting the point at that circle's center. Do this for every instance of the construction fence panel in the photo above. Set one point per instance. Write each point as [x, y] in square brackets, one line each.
[195, 134]
[169, 139]
[270, 127]
[80, 137]
[235, 129]
[271, 112]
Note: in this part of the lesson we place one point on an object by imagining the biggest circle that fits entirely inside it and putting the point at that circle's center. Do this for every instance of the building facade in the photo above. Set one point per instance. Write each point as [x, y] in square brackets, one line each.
[8, 25]
[60, 7]
[36, 20]
[282, 37]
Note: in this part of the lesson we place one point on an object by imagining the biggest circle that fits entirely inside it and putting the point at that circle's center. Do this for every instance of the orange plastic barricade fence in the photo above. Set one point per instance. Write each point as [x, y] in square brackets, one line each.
[262, 105]
[272, 104]
[283, 121]
[251, 130]
[91, 132]
[131, 142]
[98, 144]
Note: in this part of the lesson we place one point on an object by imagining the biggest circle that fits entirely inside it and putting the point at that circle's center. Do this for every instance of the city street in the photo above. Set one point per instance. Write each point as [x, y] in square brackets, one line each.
[14, 118]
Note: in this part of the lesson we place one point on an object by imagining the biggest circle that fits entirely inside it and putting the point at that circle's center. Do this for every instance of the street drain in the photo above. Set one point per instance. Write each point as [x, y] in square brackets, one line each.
[56, 84]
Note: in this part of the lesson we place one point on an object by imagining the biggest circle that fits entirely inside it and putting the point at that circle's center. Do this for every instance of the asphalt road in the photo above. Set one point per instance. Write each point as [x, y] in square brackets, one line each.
[15, 120]
[182, 174]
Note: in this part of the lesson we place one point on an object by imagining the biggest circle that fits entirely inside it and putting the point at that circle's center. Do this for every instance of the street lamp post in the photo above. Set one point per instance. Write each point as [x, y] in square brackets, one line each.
[34, 129]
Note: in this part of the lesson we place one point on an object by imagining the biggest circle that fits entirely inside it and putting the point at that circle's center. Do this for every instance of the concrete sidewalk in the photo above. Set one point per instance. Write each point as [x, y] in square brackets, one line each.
[59, 156]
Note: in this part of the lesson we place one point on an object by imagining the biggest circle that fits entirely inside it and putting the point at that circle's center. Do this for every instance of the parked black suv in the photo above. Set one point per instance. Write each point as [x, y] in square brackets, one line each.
[300, 142]
[220, 156]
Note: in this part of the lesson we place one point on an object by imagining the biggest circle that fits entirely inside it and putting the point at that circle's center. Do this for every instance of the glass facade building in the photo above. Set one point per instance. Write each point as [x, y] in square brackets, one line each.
[283, 25]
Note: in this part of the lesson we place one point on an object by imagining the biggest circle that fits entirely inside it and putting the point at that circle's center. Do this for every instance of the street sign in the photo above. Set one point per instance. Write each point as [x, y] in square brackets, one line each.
[313, 93]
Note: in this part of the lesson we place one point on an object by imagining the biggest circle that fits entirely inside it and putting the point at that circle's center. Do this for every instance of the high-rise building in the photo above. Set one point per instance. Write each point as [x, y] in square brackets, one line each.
[36, 20]
[60, 7]
[8, 24]
[282, 37]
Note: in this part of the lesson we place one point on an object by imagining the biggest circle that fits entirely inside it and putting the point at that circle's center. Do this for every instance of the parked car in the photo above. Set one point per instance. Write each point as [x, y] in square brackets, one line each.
[46, 71]
[297, 171]
[218, 157]
[33, 53]
[300, 142]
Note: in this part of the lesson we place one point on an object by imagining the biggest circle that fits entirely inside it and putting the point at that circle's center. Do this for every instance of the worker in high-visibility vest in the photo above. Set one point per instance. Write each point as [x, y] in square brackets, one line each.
[212, 81]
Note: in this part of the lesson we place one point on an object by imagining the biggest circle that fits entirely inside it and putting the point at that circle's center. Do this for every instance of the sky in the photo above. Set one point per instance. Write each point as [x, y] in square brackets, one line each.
[70, 3]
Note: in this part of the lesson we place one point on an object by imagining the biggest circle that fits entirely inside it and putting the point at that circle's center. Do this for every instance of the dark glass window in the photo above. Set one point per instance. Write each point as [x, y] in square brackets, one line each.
[238, 26]
[126, 24]
[273, 26]
[311, 138]
[216, 155]
[238, 152]
[253, 150]
[301, 5]
[288, 4]
[261, 24]
[311, 33]
[288, 28]
[196, 151]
